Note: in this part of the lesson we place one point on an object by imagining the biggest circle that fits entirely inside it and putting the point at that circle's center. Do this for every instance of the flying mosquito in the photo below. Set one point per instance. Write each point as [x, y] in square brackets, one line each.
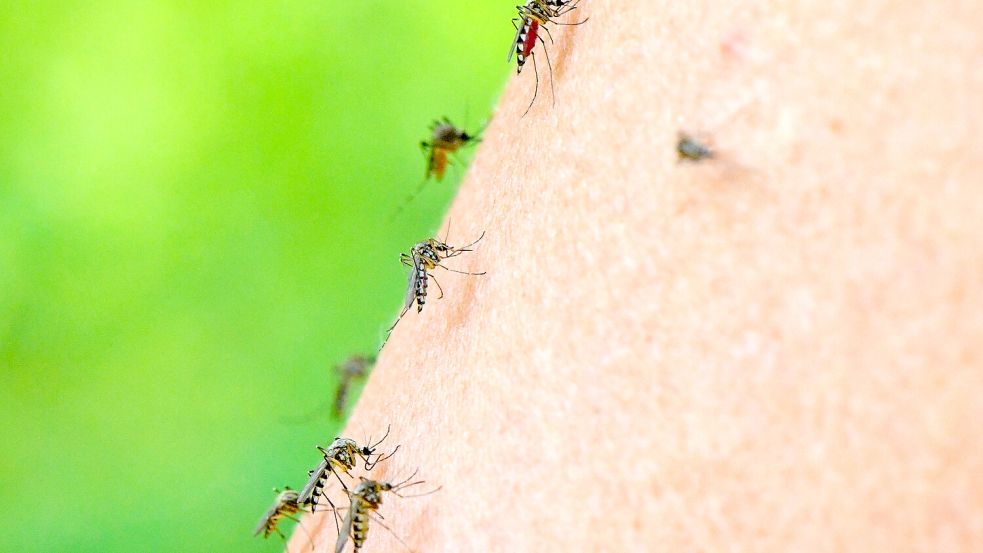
[445, 140]
[354, 368]
[285, 506]
[365, 501]
[425, 257]
[533, 17]
[339, 457]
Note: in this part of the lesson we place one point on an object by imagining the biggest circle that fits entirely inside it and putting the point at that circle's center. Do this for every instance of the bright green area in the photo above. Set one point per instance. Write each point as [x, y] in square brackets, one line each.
[194, 227]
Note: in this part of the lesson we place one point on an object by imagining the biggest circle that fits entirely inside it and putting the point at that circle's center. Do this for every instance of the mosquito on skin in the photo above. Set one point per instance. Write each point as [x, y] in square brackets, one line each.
[339, 457]
[365, 501]
[423, 258]
[533, 17]
[285, 506]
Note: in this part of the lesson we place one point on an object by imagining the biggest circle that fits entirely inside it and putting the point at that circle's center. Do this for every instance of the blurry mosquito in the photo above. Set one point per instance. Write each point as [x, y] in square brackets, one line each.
[365, 501]
[689, 148]
[533, 17]
[445, 140]
[285, 506]
[354, 368]
[425, 257]
[339, 457]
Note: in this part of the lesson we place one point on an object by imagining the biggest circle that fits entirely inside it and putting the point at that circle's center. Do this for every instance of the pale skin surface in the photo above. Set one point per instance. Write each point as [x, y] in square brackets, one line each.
[777, 350]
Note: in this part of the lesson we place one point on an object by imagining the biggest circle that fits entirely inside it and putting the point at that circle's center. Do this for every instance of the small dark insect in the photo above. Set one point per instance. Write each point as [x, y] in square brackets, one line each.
[689, 148]
[424, 257]
[353, 368]
[365, 501]
[339, 457]
[445, 139]
[533, 17]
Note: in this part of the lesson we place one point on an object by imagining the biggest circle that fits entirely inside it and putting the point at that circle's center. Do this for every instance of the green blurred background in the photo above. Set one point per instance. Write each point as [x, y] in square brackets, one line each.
[194, 228]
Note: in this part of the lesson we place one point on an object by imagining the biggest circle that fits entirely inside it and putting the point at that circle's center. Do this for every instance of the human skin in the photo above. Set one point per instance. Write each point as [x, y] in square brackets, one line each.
[778, 349]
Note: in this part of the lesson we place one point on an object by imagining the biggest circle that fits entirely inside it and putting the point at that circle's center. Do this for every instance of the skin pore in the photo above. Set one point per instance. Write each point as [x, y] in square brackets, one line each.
[777, 349]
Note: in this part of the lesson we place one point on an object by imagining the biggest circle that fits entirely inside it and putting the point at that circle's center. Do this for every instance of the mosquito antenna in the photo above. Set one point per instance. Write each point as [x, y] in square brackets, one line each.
[372, 465]
[372, 447]
[463, 248]
[567, 8]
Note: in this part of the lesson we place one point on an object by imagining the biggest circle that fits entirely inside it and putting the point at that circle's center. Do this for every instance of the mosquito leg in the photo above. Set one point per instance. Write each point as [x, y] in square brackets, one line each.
[409, 199]
[459, 272]
[399, 318]
[441, 290]
[536, 90]
[448, 232]
[586, 19]
[550, 65]
[380, 523]
[302, 529]
[547, 34]
[340, 481]
[435, 490]
[410, 477]
[334, 509]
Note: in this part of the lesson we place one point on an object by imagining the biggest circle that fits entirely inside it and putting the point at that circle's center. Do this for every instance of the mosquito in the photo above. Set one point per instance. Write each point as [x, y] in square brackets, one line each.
[365, 501]
[533, 17]
[425, 257]
[445, 140]
[339, 457]
[353, 368]
[285, 506]
[689, 148]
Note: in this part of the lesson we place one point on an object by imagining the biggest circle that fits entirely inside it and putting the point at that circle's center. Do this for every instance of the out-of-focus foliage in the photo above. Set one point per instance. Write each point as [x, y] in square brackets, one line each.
[194, 205]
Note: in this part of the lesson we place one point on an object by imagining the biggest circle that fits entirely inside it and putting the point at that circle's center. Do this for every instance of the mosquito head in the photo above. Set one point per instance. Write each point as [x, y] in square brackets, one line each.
[445, 131]
[439, 246]
[287, 496]
[368, 450]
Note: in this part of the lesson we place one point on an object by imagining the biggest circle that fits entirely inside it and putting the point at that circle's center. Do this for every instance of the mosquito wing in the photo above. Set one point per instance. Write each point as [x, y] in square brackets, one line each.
[264, 523]
[346, 529]
[414, 279]
[307, 494]
[515, 41]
